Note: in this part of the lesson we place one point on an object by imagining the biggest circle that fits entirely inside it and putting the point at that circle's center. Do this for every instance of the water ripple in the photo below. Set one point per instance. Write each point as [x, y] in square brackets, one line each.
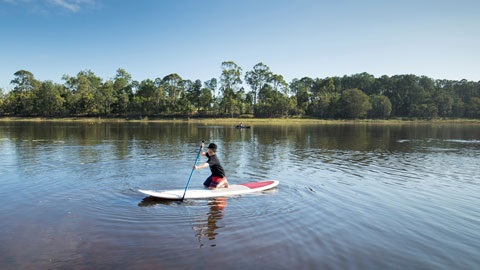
[349, 197]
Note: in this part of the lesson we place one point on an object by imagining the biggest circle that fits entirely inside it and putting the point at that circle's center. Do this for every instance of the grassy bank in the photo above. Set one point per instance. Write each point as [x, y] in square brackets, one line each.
[249, 121]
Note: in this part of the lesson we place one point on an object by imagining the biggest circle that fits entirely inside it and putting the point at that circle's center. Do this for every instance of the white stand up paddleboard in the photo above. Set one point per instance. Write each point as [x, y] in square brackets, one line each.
[232, 190]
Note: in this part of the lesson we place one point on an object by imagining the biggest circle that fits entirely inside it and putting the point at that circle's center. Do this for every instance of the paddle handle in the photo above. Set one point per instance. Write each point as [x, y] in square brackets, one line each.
[191, 173]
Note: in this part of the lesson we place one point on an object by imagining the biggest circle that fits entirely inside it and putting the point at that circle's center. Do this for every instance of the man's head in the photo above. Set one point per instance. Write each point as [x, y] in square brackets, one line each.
[212, 147]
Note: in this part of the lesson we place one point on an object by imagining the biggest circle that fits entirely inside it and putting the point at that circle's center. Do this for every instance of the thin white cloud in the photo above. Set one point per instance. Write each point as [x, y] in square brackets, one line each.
[43, 5]
[18, 1]
[73, 5]
[65, 4]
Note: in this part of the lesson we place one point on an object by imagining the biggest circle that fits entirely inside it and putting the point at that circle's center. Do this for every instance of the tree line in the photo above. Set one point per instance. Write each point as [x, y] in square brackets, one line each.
[269, 95]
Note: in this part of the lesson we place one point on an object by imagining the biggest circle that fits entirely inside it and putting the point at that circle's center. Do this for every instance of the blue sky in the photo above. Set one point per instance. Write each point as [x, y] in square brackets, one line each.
[295, 38]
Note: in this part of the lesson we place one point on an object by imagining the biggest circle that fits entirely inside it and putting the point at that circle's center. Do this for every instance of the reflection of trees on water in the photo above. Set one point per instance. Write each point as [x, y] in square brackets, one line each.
[207, 229]
[271, 146]
[247, 155]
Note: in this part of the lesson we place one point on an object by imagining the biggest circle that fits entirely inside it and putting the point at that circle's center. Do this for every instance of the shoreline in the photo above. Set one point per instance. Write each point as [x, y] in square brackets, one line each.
[247, 121]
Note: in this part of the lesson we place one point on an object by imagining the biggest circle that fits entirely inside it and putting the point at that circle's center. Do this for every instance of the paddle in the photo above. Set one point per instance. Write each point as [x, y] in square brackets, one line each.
[190, 178]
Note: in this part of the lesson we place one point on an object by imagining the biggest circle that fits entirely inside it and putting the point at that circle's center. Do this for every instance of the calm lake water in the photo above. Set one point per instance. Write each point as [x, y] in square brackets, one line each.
[350, 197]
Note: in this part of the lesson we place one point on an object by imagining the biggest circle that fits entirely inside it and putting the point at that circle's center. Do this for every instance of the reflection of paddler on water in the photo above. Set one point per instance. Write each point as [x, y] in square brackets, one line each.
[203, 227]
[209, 226]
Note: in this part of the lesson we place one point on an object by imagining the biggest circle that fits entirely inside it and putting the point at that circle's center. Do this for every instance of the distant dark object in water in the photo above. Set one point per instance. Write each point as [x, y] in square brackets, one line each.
[238, 126]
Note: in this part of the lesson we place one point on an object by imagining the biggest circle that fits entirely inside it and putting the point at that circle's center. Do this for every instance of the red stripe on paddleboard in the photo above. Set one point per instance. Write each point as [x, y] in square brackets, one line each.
[257, 184]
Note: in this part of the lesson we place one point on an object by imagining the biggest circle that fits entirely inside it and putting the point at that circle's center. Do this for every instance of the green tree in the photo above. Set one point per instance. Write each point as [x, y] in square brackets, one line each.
[257, 78]
[211, 85]
[355, 103]
[144, 100]
[2, 102]
[85, 89]
[174, 88]
[362, 81]
[135, 100]
[86, 94]
[444, 102]
[466, 90]
[279, 84]
[264, 108]
[122, 87]
[24, 81]
[22, 98]
[302, 89]
[106, 97]
[323, 96]
[205, 100]
[458, 107]
[136, 106]
[472, 108]
[159, 97]
[194, 91]
[424, 110]
[382, 85]
[49, 100]
[381, 107]
[230, 83]
[184, 106]
[398, 92]
[323, 106]
[272, 103]
[241, 102]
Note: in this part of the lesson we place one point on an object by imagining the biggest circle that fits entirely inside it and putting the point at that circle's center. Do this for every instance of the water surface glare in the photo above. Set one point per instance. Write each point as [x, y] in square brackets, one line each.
[351, 196]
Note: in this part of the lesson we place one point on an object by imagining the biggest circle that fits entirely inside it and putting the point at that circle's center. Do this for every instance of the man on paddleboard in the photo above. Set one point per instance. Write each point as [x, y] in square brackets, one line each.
[218, 178]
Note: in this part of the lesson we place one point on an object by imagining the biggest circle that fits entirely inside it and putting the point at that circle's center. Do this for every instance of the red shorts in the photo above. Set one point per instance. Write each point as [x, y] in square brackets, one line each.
[215, 181]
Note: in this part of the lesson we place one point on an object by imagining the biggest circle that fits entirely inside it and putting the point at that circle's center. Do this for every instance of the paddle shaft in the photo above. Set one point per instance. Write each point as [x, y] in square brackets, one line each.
[191, 173]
